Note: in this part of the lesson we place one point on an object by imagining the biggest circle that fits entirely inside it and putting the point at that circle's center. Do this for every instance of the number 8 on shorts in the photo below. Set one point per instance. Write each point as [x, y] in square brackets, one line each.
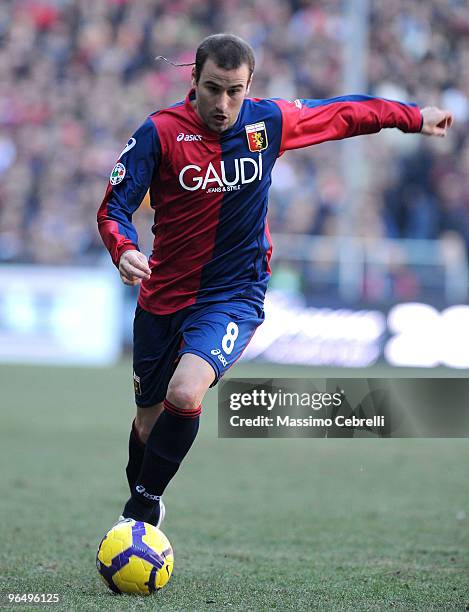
[229, 338]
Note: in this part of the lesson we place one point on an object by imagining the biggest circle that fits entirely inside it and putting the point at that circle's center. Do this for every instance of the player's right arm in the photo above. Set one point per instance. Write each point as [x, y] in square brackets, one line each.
[128, 184]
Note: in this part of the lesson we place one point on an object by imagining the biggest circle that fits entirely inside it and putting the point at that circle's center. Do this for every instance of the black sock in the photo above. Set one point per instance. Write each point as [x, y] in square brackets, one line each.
[168, 443]
[136, 453]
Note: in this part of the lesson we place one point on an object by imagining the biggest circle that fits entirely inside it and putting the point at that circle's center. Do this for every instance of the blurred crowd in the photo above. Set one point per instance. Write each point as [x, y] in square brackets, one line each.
[78, 77]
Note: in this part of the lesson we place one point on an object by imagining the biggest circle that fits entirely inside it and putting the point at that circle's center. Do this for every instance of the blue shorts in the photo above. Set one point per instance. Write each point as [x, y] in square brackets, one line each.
[218, 333]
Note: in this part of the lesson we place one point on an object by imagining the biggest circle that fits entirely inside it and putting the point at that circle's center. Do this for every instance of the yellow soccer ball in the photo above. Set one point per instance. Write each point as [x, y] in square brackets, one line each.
[135, 557]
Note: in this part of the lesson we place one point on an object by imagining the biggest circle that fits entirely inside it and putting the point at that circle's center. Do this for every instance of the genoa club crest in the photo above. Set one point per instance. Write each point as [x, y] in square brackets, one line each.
[257, 137]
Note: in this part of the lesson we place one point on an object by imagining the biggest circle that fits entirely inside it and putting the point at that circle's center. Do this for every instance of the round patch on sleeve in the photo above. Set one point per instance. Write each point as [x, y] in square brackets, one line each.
[117, 174]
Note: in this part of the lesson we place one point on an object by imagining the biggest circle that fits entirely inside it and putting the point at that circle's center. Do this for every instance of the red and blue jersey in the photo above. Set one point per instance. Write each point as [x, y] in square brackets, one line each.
[209, 191]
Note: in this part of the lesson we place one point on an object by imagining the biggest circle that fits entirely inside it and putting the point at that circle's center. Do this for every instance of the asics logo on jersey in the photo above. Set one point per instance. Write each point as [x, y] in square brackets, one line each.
[130, 145]
[189, 137]
[221, 176]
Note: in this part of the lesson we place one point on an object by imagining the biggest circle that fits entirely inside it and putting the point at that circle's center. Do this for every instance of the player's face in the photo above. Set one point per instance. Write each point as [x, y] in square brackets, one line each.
[219, 94]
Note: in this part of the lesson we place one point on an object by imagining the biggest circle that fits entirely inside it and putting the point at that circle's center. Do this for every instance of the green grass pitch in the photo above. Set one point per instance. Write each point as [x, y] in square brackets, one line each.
[288, 524]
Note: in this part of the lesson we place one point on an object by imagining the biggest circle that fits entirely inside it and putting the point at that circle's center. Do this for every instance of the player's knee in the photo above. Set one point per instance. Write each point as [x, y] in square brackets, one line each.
[145, 420]
[183, 395]
[142, 431]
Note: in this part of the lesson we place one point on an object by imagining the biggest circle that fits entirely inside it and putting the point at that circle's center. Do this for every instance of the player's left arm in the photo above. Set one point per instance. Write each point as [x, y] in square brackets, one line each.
[307, 122]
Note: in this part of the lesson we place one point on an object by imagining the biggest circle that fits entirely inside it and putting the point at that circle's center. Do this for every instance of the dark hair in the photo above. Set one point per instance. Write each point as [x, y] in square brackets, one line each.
[226, 50]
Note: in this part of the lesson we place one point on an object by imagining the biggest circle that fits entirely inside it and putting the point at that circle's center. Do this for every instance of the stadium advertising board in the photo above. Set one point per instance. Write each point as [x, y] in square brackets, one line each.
[409, 335]
[59, 316]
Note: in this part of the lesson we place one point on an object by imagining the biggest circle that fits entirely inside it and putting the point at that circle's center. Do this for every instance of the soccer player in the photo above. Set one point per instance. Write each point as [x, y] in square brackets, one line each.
[208, 161]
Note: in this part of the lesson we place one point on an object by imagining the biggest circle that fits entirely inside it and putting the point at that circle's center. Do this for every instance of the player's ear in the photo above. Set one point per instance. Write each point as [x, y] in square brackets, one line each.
[193, 79]
[248, 86]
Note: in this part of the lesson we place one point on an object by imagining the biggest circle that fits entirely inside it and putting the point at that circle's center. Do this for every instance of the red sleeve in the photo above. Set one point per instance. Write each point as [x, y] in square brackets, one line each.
[308, 122]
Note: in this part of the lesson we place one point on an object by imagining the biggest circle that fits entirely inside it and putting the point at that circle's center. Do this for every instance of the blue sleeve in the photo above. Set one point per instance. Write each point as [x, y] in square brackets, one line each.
[129, 181]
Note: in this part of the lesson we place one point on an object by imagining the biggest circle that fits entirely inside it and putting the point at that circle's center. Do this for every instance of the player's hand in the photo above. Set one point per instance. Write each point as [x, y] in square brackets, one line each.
[436, 121]
[133, 267]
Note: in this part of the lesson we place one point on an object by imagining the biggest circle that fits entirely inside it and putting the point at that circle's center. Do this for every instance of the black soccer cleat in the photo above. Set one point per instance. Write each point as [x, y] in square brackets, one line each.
[155, 516]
